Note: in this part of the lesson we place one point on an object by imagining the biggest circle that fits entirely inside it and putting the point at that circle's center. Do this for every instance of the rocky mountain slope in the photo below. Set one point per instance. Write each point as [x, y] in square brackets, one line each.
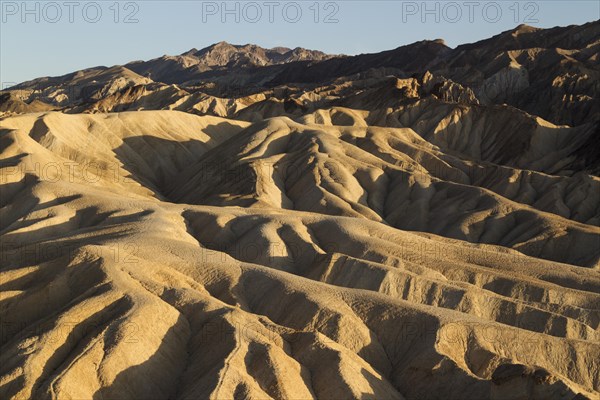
[552, 73]
[238, 222]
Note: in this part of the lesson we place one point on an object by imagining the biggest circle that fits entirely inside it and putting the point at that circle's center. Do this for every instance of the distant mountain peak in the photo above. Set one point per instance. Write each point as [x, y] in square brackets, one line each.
[282, 50]
[524, 28]
[488, 67]
[190, 52]
[223, 54]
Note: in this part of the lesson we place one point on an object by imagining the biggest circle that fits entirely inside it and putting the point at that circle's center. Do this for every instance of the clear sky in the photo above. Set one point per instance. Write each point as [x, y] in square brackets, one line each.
[48, 38]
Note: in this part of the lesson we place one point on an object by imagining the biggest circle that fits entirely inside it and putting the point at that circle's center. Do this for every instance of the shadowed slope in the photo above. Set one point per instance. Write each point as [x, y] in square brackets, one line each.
[110, 288]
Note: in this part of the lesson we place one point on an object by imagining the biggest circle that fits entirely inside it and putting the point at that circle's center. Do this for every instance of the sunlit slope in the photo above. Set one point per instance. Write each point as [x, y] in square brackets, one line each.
[366, 262]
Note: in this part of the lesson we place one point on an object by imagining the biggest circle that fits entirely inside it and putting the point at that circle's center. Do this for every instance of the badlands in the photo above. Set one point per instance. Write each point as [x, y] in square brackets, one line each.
[249, 223]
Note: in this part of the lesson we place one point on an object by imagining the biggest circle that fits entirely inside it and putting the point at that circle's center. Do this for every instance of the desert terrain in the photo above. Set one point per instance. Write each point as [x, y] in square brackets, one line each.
[249, 223]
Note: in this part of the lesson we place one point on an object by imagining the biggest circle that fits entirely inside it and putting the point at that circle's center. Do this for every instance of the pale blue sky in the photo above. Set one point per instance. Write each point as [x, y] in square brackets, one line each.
[30, 49]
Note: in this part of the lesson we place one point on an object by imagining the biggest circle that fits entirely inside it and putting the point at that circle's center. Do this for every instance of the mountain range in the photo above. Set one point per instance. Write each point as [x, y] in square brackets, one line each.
[241, 222]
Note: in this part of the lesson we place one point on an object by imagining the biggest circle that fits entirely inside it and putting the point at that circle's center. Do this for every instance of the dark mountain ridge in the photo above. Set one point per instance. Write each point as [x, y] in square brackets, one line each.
[553, 73]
